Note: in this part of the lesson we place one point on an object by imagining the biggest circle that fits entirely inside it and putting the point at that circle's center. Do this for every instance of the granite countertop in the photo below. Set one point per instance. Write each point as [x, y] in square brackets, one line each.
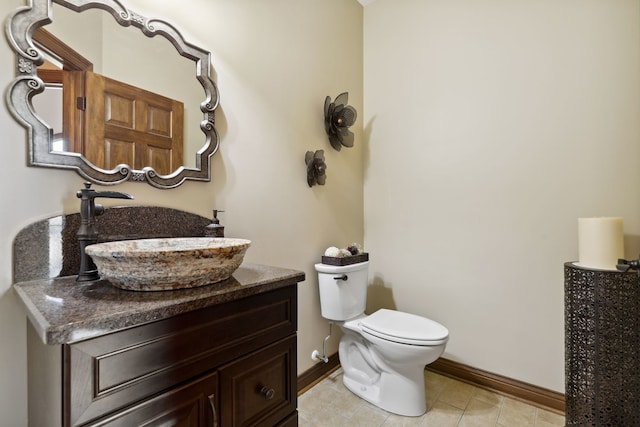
[64, 311]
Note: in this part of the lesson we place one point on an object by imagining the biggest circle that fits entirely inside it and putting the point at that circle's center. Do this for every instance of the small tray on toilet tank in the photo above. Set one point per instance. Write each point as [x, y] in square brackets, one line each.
[348, 260]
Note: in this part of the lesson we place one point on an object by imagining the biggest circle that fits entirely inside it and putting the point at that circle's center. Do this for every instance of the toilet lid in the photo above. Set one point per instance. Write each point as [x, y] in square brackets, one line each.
[404, 328]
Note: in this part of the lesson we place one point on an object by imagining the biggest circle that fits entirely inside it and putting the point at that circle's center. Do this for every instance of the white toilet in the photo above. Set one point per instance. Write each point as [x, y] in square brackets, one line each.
[383, 355]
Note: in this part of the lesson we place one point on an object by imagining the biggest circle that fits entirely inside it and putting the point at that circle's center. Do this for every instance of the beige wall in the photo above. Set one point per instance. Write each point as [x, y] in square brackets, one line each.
[493, 126]
[274, 63]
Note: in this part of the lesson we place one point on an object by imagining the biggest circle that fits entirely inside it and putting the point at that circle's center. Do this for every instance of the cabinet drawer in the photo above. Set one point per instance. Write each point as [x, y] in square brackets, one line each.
[190, 405]
[260, 389]
[107, 373]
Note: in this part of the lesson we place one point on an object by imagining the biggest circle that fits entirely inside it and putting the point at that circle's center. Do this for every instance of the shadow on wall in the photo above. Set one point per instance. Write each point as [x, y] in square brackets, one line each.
[379, 295]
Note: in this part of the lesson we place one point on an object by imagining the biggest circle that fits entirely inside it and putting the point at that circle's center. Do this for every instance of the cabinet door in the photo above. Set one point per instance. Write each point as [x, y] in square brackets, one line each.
[260, 389]
[192, 405]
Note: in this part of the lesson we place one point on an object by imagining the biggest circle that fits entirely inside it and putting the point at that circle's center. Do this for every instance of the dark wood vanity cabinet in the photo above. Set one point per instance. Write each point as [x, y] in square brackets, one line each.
[232, 364]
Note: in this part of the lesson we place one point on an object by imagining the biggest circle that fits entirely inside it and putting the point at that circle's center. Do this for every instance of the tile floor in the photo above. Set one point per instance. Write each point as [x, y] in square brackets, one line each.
[449, 403]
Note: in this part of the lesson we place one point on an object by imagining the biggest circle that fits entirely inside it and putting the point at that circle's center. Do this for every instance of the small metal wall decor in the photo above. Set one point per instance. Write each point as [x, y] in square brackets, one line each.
[316, 167]
[338, 118]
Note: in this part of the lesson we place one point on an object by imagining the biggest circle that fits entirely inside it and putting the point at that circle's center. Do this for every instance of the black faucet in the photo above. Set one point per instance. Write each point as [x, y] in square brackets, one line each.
[87, 232]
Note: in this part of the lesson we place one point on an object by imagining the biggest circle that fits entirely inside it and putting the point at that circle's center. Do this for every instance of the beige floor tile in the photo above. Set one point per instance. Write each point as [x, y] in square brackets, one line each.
[480, 414]
[347, 404]
[325, 392]
[548, 419]
[399, 421]
[319, 397]
[516, 414]
[487, 396]
[457, 394]
[335, 381]
[434, 384]
[308, 407]
[442, 415]
[327, 418]
[367, 416]
[303, 420]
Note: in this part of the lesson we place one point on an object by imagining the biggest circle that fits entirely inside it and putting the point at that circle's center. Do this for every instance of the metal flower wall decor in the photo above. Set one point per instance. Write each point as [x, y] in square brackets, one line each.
[316, 168]
[338, 118]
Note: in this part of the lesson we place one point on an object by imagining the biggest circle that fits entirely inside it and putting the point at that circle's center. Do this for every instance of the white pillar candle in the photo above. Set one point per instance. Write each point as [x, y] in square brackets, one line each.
[600, 242]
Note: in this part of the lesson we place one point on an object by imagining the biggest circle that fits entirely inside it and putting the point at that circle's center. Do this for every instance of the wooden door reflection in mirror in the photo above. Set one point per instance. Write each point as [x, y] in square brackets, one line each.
[126, 124]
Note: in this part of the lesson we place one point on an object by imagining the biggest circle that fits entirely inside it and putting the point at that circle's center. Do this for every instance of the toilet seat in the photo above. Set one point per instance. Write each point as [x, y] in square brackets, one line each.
[404, 328]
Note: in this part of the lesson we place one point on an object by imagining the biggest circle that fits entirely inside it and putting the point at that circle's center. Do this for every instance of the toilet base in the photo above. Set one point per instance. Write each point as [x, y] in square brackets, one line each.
[393, 393]
[394, 387]
[387, 374]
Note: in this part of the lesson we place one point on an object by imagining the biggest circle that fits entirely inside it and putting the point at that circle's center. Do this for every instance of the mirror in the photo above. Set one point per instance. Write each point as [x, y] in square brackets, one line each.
[112, 113]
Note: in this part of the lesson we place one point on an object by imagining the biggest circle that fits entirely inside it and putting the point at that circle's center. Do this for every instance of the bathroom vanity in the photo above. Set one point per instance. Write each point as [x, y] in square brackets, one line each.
[216, 355]
[223, 353]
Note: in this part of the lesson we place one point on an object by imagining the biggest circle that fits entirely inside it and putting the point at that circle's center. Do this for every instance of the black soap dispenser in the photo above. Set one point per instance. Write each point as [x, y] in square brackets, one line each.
[215, 229]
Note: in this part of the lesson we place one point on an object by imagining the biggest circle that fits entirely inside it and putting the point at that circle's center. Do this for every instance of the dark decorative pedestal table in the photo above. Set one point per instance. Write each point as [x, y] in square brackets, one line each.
[602, 347]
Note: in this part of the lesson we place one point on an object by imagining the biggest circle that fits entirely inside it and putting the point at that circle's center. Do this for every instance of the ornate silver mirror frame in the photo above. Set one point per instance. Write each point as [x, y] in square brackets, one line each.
[20, 27]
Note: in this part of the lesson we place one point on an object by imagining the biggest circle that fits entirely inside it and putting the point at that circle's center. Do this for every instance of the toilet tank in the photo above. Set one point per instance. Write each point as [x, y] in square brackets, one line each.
[343, 290]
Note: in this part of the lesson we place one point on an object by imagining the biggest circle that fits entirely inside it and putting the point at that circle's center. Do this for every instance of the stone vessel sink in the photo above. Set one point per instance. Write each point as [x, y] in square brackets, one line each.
[167, 264]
